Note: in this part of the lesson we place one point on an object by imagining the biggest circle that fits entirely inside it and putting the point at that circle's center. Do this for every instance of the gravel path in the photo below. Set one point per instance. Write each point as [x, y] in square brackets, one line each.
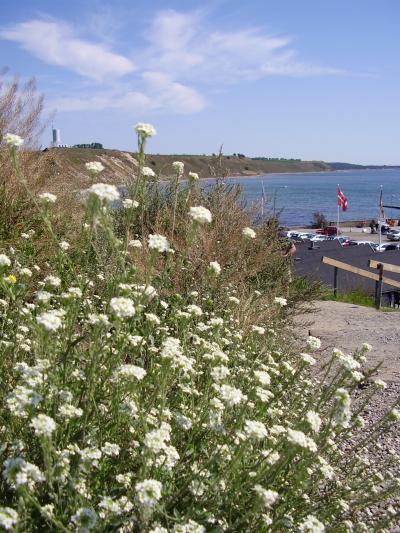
[347, 326]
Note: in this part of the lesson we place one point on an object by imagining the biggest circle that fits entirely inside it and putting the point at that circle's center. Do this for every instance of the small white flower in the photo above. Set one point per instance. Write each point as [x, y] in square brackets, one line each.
[54, 281]
[145, 130]
[200, 214]
[84, 519]
[300, 439]
[50, 321]
[148, 172]
[128, 203]
[135, 243]
[193, 176]
[8, 518]
[25, 272]
[194, 310]
[255, 429]
[43, 425]
[394, 415]
[312, 525]
[4, 260]
[94, 167]
[248, 233]
[308, 359]
[314, 343]
[158, 242]
[258, 329]
[48, 198]
[122, 307]
[178, 166]
[380, 384]
[111, 449]
[105, 191]
[148, 492]
[68, 411]
[64, 245]
[262, 377]
[128, 371]
[268, 497]
[13, 140]
[314, 420]
[215, 267]
[280, 301]
[43, 296]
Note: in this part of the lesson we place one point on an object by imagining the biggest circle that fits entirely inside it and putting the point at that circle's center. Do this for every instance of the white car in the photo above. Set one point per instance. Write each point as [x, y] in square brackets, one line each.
[318, 238]
[393, 235]
[386, 246]
[306, 236]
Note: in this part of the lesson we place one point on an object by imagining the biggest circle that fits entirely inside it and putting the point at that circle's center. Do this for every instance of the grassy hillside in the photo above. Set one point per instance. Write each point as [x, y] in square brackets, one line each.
[68, 166]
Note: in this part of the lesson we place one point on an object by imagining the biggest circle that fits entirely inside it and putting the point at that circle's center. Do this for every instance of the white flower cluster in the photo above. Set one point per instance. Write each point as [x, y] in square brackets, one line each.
[48, 197]
[13, 140]
[95, 167]
[215, 267]
[178, 166]
[193, 176]
[314, 343]
[268, 496]
[200, 214]
[122, 307]
[300, 439]
[145, 130]
[43, 425]
[148, 172]
[248, 233]
[18, 472]
[148, 492]
[50, 320]
[105, 192]
[158, 243]
[4, 260]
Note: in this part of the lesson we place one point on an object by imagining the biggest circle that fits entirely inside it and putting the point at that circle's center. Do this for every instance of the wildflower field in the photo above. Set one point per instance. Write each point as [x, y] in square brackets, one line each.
[149, 378]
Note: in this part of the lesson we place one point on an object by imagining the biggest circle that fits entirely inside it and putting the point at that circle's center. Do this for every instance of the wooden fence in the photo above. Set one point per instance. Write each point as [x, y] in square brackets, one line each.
[379, 278]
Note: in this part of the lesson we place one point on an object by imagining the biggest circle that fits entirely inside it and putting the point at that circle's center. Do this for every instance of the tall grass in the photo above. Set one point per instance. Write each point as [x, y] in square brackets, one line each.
[148, 384]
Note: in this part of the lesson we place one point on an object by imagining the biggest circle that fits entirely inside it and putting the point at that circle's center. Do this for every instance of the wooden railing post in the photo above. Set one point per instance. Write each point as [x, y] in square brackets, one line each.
[335, 281]
[378, 291]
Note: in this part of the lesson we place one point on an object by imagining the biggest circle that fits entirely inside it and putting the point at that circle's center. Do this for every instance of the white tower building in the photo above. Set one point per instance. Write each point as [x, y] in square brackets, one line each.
[56, 138]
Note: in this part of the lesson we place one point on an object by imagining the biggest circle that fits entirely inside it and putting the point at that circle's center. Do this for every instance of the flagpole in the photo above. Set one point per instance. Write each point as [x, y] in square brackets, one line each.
[338, 211]
[380, 217]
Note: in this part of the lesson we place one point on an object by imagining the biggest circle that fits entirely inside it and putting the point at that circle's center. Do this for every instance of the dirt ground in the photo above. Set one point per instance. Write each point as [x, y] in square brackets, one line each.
[347, 326]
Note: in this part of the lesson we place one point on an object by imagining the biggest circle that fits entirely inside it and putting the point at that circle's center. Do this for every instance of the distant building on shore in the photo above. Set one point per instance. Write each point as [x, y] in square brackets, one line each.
[94, 146]
[56, 138]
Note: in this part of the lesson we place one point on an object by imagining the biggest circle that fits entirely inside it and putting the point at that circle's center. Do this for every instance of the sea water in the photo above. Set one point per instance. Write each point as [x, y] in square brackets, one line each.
[297, 196]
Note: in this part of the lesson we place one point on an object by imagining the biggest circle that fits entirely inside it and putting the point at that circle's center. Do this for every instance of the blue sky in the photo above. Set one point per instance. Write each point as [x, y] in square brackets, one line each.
[308, 79]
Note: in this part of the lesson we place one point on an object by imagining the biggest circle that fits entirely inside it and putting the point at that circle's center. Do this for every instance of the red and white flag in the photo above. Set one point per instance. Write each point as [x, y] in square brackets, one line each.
[341, 199]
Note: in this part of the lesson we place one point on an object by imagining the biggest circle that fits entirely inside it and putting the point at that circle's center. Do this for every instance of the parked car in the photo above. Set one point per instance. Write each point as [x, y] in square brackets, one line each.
[393, 235]
[306, 236]
[386, 246]
[318, 238]
[354, 242]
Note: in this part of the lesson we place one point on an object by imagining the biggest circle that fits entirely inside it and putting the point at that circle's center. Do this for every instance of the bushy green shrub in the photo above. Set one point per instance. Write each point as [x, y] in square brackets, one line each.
[129, 406]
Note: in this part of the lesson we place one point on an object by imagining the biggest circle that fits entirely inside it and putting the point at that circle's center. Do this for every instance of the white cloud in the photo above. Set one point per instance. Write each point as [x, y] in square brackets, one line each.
[182, 46]
[179, 62]
[54, 43]
[159, 93]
